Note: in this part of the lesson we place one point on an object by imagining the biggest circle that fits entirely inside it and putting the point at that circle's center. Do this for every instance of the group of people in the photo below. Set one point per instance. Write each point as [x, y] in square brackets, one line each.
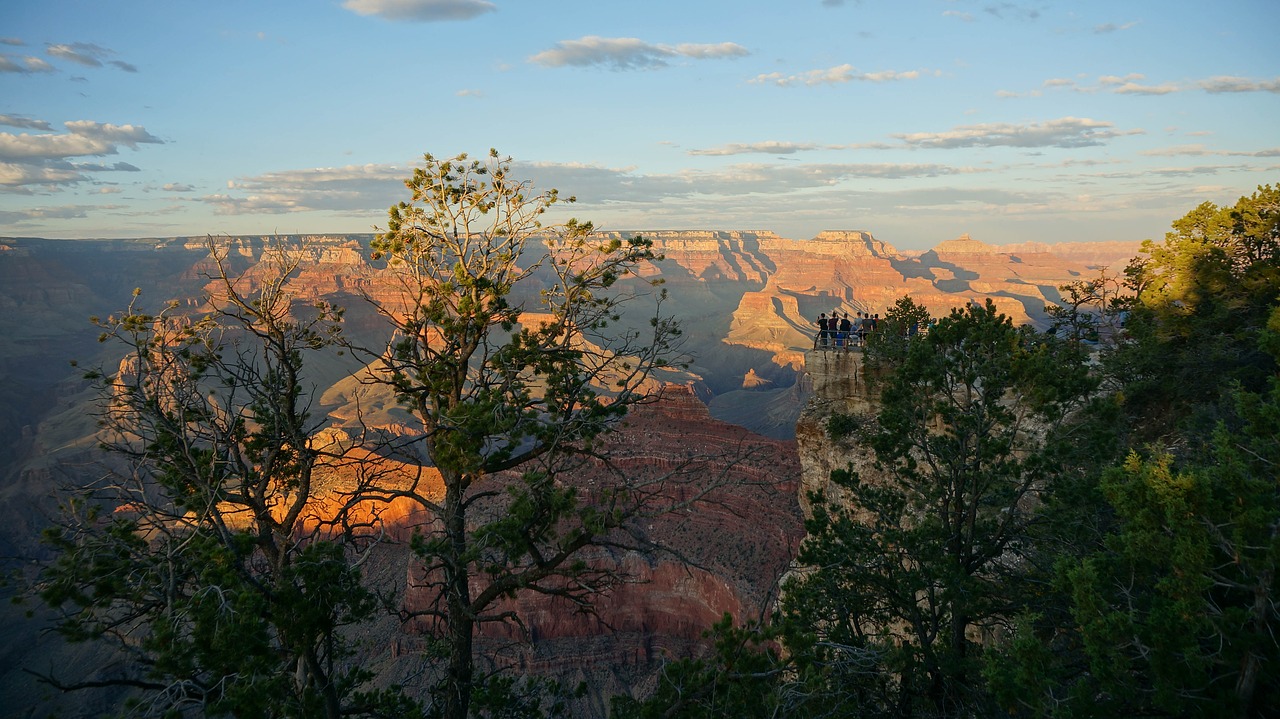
[842, 332]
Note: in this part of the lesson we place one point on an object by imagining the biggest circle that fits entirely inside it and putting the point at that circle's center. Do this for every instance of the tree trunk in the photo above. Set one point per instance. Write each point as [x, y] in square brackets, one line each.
[460, 624]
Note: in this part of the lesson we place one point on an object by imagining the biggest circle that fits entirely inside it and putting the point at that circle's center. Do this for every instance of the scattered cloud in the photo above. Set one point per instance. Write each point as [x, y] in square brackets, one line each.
[128, 135]
[771, 147]
[966, 17]
[17, 177]
[1133, 88]
[26, 64]
[81, 53]
[1131, 85]
[629, 53]
[44, 159]
[87, 54]
[1226, 83]
[1011, 93]
[23, 122]
[114, 167]
[1012, 10]
[178, 187]
[420, 10]
[366, 188]
[1199, 150]
[351, 188]
[1066, 132]
[1110, 27]
[65, 212]
[11, 41]
[831, 76]
[1118, 80]
[469, 93]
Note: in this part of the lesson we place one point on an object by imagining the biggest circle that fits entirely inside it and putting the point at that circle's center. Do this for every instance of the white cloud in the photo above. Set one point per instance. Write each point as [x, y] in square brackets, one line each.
[128, 135]
[770, 147]
[79, 53]
[1112, 27]
[41, 147]
[628, 53]
[1226, 83]
[1133, 88]
[830, 76]
[1066, 132]
[1117, 80]
[371, 188]
[420, 10]
[87, 54]
[41, 159]
[1199, 150]
[177, 187]
[966, 17]
[24, 65]
[99, 167]
[349, 188]
[64, 212]
[18, 121]
[1130, 85]
[1016, 11]
[1011, 93]
[16, 176]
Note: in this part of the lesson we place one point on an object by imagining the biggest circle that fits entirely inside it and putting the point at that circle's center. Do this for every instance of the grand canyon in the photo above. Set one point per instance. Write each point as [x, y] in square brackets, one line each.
[747, 302]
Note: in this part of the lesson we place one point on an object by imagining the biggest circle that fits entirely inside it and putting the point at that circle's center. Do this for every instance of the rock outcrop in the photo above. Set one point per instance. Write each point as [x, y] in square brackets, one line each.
[840, 390]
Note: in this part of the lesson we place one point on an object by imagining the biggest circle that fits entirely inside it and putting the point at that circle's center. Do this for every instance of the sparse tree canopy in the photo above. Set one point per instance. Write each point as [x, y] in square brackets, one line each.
[510, 351]
[200, 555]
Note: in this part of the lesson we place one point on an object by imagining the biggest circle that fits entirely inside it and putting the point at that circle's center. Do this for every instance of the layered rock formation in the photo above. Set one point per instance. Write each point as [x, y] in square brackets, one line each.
[747, 301]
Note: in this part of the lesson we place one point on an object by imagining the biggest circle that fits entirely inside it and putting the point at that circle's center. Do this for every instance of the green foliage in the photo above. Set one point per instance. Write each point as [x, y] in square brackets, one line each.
[743, 676]
[1091, 311]
[900, 585]
[511, 353]
[1012, 564]
[1188, 577]
[919, 565]
[1163, 596]
[1203, 297]
[194, 555]
[887, 347]
[840, 426]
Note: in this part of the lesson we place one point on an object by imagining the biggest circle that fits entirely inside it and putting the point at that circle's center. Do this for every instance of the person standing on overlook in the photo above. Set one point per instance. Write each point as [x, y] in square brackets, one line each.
[823, 328]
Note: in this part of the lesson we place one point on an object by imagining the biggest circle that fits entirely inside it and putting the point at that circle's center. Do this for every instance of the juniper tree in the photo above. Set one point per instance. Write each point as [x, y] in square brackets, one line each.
[1169, 606]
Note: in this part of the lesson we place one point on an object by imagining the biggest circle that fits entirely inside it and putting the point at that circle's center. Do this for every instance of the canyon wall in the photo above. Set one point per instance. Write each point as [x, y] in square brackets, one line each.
[747, 301]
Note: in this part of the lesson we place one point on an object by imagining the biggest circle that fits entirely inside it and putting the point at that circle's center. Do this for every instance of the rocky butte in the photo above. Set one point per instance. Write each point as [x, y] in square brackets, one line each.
[748, 302]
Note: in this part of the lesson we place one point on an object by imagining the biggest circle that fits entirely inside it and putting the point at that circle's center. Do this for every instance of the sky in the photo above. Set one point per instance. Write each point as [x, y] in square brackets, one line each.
[915, 120]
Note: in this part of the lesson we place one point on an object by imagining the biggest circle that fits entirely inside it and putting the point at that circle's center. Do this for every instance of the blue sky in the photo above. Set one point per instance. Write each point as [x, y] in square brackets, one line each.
[916, 120]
